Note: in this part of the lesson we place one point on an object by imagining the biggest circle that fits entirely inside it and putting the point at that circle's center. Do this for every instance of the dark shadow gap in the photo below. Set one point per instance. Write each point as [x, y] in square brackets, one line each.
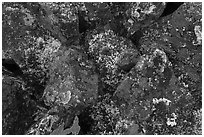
[170, 8]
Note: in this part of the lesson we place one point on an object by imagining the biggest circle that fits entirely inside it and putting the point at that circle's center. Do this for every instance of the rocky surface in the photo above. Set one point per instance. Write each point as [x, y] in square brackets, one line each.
[116, 68]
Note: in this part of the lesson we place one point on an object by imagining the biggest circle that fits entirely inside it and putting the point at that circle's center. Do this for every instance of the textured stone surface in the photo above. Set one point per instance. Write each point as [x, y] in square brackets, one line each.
[112, 68]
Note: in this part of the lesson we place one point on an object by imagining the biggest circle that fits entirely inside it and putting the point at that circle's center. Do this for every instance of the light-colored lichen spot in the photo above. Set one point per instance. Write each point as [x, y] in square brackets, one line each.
[162, 54]
[172, 121]
[198, 33]
[164, 100]
[150, 10]
[65, 97]
[28, 20]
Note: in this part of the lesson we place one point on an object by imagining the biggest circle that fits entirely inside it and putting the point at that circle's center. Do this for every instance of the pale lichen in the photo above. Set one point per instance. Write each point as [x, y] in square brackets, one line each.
[65, 97]
[172, 121]
[198, 33]
[44, 126]
[166, 101]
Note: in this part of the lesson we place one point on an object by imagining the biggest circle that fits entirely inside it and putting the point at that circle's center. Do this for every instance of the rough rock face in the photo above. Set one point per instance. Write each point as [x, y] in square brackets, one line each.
[72, 84]
[112, 54]
[145, 82]
[111, 68]
[71, 76]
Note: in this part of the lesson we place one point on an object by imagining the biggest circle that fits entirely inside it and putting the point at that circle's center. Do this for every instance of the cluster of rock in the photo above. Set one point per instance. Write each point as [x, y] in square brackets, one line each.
[101, 68]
